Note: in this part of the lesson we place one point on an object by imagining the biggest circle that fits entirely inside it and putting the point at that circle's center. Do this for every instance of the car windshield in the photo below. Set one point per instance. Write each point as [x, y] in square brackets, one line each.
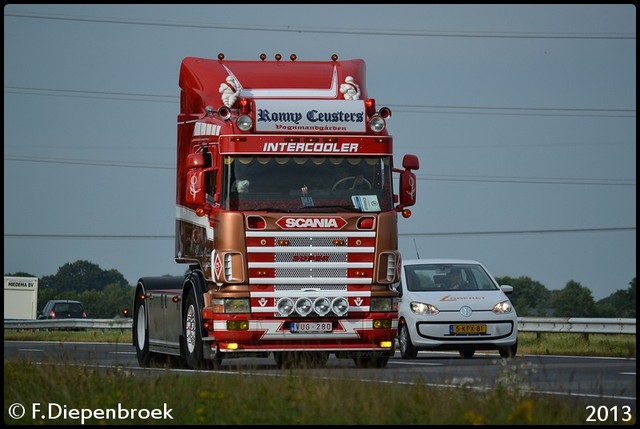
[309, 184]
[447, 277]
[68, 307]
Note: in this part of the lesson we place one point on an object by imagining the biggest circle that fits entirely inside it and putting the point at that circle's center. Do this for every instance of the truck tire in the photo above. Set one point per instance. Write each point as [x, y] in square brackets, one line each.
[290, 360]
[192, 325]
[141, 334]
[371, 361]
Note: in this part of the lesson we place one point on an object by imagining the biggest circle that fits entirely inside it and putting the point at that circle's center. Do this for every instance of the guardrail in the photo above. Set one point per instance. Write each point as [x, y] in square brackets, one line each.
[577, 325]
[525, 324]
[69, 324]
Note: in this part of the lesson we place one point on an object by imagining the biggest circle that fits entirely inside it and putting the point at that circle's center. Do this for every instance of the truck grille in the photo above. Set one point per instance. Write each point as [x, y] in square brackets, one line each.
[310, 265]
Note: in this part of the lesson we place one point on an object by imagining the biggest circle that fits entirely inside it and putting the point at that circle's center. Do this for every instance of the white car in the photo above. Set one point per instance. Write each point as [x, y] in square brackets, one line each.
[450, 304]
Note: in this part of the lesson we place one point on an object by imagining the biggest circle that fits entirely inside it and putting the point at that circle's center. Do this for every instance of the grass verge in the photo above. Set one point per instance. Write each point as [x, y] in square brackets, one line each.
[79, 395]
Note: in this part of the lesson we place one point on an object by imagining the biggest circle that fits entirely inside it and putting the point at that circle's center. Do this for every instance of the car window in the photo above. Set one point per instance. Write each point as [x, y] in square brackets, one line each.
[419, 280]
[75, 308]
[61, 306]
[447, 277]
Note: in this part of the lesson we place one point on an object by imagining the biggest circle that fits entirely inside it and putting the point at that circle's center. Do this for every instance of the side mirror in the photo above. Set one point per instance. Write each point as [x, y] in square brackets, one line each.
[195, 160]
[407, 189]
[398, 288]
[506, 288]
[407, 195]
[410, 162]
[195, 192]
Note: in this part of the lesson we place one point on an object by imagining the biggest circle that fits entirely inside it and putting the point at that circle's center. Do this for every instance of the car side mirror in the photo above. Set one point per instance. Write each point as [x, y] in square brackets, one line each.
[397, 287]
[506, 288]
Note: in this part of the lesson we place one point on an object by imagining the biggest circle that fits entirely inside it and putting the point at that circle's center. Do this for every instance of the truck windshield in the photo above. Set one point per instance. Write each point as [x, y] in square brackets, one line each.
[309, 184]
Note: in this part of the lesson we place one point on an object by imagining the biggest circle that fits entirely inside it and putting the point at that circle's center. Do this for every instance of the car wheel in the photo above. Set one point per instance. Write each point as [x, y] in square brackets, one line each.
[407, 350]
[508, 352]
[467, 353]
[192, 325]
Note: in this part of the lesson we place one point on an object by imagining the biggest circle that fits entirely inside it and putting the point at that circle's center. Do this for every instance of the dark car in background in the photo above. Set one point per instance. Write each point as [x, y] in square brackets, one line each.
[63, 309]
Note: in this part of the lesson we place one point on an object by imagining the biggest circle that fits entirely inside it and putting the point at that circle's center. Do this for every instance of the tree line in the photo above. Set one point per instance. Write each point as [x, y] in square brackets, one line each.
[531, 299]
[106, 293]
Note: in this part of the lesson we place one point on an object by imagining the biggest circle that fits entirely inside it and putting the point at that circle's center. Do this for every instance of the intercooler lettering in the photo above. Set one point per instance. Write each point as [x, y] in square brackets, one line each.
[310, 147]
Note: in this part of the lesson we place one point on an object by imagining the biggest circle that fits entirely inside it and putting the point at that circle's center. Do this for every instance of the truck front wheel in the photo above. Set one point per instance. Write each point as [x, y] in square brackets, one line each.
[371, 361]
[141, 334]
[193, 334]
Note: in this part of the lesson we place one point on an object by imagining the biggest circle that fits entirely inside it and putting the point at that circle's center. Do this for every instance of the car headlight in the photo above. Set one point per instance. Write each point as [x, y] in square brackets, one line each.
[422, 308]
[503, 307]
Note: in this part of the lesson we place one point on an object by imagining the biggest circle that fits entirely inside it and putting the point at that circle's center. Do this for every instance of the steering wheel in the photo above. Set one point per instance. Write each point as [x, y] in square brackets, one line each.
[350, 178]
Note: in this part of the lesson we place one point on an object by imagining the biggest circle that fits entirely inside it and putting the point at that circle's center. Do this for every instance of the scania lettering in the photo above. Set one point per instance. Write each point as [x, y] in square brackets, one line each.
[286, 217]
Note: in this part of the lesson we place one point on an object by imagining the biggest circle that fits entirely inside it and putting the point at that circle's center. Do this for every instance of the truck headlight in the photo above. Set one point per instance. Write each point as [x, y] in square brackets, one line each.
[285, 306]
[233, 305]
[340, 306]
[377, 124]
[381, 304]
[244, 123]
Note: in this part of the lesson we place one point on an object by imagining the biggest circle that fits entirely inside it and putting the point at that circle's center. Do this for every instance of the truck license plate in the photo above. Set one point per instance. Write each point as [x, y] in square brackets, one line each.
[311, 327]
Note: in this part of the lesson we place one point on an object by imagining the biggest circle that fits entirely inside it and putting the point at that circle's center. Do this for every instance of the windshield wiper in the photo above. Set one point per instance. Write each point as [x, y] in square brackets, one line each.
[270, 209]
[330, 206]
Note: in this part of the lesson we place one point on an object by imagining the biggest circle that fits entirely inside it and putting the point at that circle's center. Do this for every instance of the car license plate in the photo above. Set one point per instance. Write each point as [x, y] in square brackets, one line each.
[311, 327]
[467, 329]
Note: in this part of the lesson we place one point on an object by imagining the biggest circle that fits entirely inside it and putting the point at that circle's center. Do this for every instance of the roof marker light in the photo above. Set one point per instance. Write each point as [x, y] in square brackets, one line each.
[244, 106]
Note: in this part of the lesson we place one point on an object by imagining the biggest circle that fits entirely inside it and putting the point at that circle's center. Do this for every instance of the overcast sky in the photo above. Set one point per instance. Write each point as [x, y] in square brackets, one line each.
[523, 117]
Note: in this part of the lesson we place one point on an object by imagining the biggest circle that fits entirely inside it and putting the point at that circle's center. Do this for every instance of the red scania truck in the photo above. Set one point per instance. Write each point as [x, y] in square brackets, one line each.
[286, 216]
